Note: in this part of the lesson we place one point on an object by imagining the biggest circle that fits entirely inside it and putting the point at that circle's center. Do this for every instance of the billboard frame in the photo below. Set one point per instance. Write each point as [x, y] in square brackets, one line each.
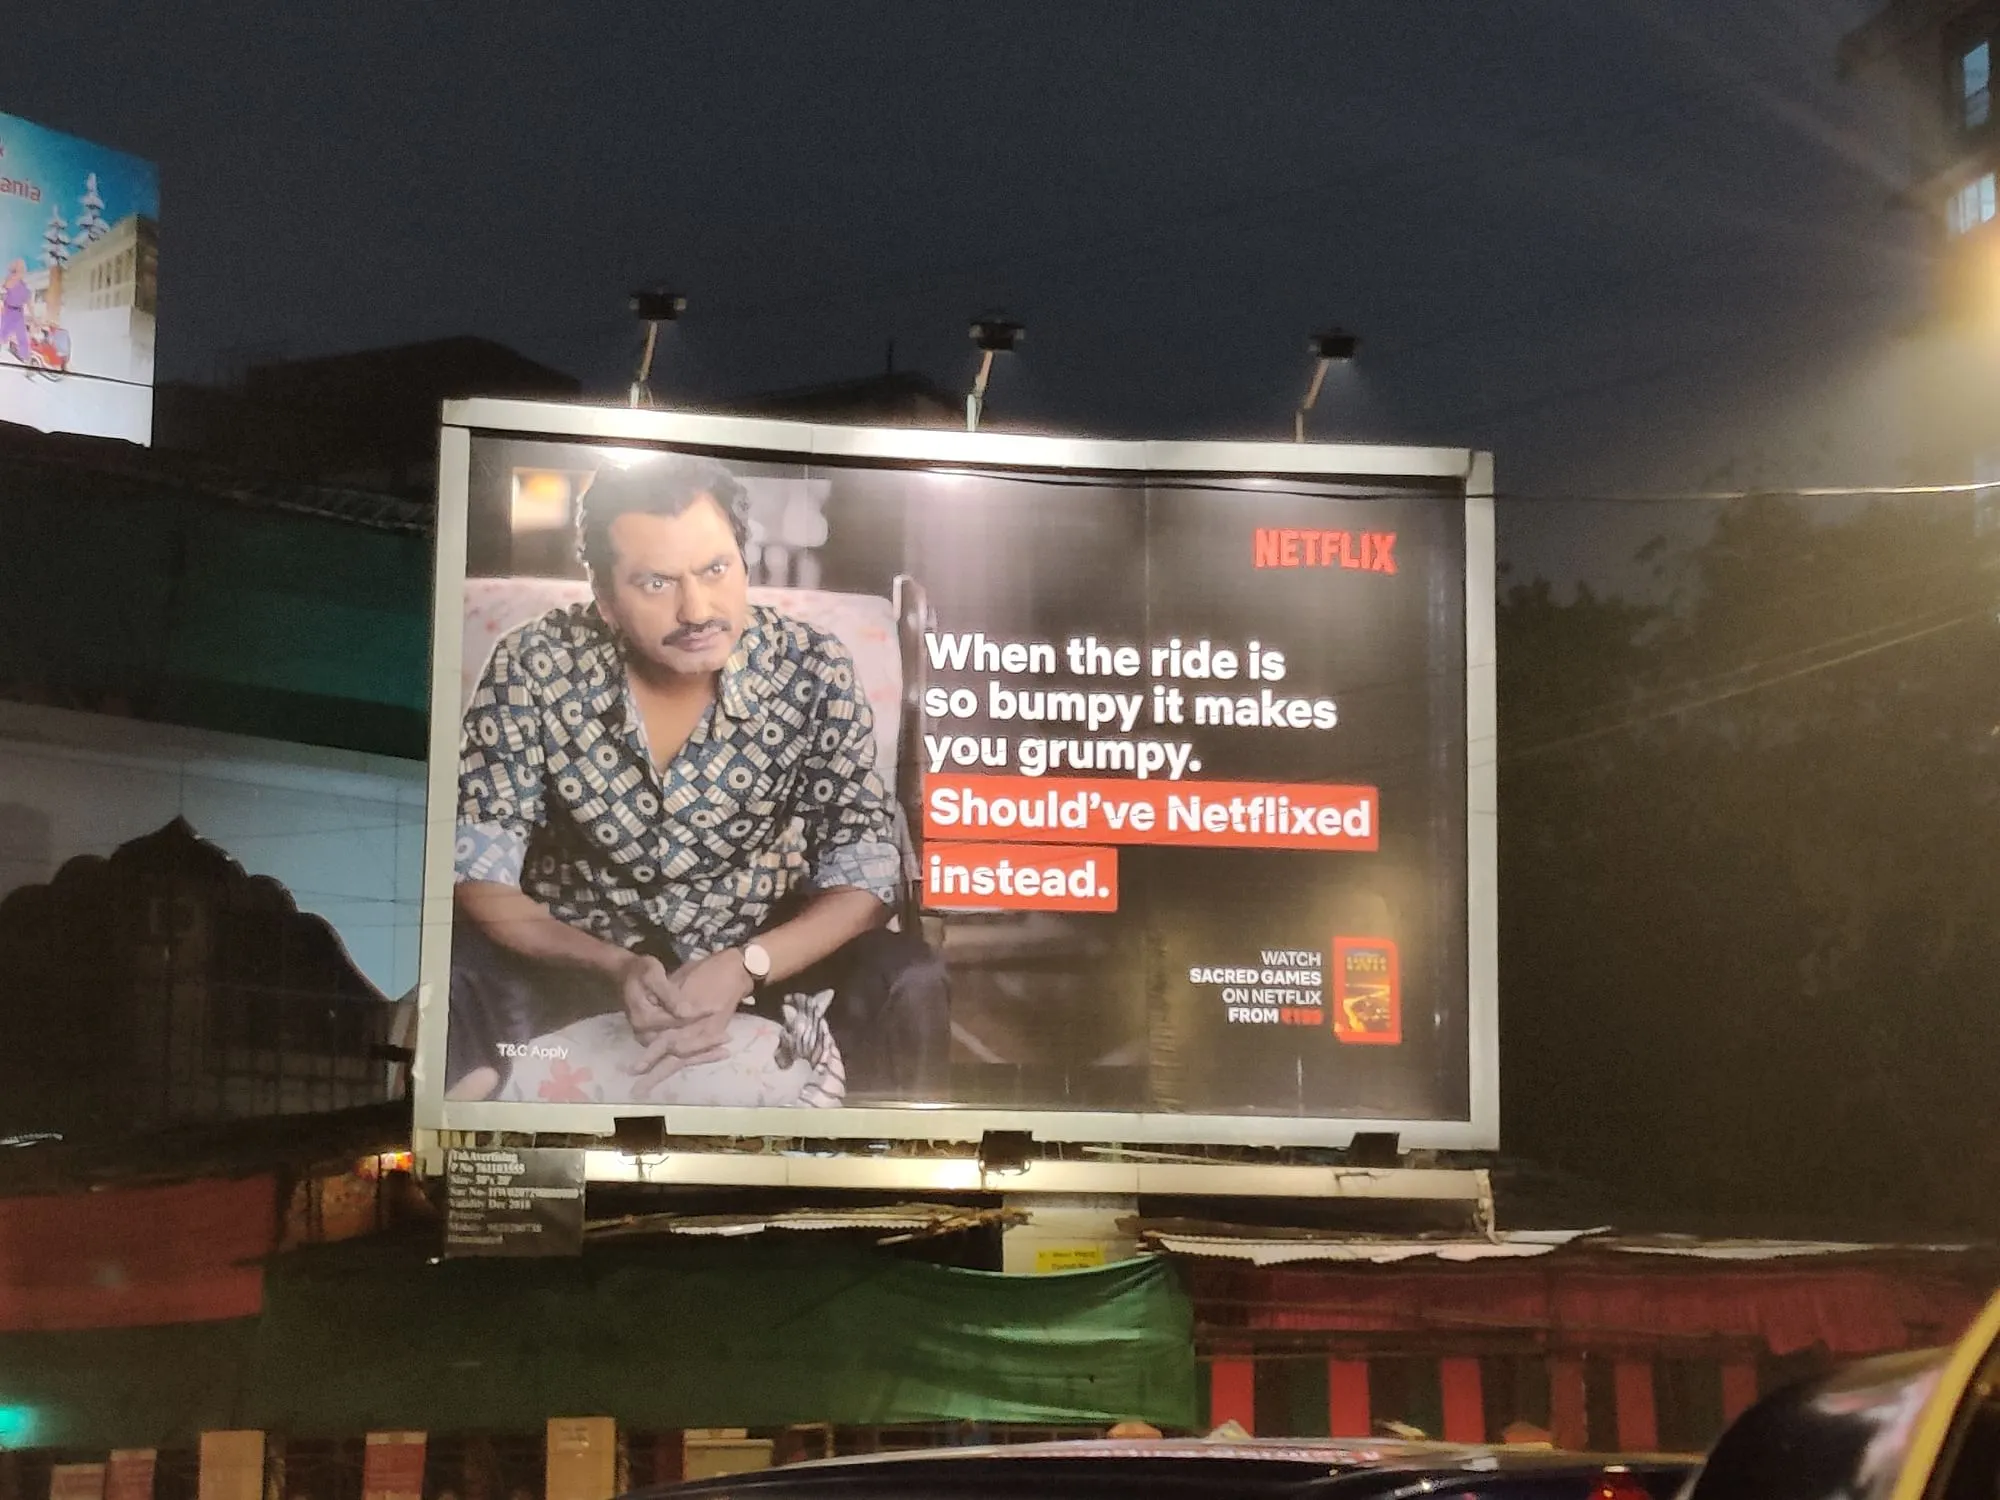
[1470, 471]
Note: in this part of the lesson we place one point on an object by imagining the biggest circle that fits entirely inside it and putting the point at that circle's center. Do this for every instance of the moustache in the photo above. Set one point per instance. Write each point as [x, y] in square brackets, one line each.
[687, 633]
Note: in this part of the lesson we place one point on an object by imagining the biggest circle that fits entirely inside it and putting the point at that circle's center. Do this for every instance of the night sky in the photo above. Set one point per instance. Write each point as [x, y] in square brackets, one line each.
[1623, 243]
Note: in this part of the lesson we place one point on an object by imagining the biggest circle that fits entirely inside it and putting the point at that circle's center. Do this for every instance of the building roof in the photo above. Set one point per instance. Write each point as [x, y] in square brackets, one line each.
[896, 398]
[462, 365]
[113, 469]
[364, 420]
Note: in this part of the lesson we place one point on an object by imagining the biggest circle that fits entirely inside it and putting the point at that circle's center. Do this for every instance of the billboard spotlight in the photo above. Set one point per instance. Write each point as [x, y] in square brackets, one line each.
[1334, 346]
[991, 335]
[997, 335]
[1374, 1148]
[652, 308]
[1331, 347]
[1005, 1153]
[639, 1135]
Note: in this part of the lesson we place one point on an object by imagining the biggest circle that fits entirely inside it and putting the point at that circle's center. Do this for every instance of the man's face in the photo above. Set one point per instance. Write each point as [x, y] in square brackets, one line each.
[677, 590]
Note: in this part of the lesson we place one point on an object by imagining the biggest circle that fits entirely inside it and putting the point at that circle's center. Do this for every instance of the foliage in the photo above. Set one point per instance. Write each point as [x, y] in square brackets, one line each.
[1748, 870]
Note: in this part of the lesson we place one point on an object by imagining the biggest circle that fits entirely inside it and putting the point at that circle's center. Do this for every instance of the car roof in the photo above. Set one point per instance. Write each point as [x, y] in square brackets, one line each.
[1149, 1463]
[1328, 1452]
[1848, 1432]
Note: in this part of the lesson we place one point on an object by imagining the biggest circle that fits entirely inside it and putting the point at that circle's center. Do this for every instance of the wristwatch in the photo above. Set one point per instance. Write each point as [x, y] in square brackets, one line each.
[757, 964]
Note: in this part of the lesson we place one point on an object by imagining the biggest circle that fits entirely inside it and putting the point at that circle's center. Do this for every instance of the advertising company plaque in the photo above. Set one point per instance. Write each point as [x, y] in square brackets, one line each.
[513, 1201]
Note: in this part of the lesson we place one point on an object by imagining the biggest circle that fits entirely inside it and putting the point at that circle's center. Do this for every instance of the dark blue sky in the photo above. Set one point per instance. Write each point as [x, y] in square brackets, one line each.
[1624, 243]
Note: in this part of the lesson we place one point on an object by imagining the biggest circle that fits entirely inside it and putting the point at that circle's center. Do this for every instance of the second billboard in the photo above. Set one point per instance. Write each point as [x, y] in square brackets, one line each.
[79, 276]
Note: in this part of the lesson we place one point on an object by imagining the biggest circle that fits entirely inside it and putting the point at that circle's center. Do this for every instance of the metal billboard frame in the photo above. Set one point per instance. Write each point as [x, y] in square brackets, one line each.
[571, 422]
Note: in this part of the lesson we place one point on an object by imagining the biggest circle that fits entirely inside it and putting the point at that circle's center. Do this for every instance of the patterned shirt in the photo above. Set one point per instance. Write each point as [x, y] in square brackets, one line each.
[774, 790]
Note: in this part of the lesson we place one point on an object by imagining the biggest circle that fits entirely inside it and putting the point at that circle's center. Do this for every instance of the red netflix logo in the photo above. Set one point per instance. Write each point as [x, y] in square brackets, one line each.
[1360, 551]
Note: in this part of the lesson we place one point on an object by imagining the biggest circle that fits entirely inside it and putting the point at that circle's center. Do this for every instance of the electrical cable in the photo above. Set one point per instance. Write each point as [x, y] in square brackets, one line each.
[1710, 701]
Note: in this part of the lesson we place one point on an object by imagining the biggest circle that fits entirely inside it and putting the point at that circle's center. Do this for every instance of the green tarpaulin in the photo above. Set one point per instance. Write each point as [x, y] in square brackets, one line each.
[725, 1335]
[730, 1334]
[122, 1387]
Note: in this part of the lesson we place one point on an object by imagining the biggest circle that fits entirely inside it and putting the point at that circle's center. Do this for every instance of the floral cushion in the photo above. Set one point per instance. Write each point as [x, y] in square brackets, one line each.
[864, 623]
[770, 1065]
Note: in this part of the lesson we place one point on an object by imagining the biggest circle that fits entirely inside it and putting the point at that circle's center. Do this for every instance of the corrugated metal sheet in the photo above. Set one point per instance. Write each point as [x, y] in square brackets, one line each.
[1292, 1248]
[1278, 1251]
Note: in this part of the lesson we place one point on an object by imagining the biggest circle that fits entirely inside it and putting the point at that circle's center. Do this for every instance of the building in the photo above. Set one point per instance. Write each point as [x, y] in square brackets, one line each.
[895, 398]
[1933, 62]
[368, 420]
[365, 420]
[120, 268]
[164, 985]
[1605, 1341]
[1937, 57]
[210, 800]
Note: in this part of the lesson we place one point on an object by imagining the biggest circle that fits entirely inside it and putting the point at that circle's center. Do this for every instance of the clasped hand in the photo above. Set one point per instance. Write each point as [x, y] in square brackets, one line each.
[681, 1018]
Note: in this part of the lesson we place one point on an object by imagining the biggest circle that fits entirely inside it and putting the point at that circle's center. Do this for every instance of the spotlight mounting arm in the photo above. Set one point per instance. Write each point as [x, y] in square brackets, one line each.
[652, 307]
[1333, 346]
[991, 335]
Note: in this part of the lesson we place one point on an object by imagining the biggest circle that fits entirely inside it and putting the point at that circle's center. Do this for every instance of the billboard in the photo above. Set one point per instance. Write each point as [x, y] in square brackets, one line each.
[79, 278]
[795, 780]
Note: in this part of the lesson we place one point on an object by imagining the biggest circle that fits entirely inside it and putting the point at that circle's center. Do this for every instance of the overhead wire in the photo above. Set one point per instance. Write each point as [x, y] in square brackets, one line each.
[1623, 725]
[1673, 710]
[1910, 629]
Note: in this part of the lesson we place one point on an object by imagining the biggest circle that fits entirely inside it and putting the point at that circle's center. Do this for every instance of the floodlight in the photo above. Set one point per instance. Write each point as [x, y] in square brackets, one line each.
[991, 334]
[652, 307]
[1005, 1153]
[1335, 346]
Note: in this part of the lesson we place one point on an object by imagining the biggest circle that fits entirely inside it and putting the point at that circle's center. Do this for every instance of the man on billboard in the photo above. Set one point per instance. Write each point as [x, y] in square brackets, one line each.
[668, 807]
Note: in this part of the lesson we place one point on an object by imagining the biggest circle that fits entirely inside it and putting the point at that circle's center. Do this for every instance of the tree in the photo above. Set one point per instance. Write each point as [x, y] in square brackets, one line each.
[55, 241]
[1750, 847]
[90, 223]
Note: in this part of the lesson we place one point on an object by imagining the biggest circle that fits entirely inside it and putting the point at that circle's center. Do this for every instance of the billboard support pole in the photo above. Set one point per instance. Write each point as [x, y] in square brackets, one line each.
[640, 395]
[976, 402]
[1325, 348]
[992, 335]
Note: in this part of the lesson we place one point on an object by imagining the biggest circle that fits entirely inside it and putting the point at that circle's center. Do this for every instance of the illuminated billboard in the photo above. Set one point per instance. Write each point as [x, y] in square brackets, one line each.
[850, 783]
[79, 279]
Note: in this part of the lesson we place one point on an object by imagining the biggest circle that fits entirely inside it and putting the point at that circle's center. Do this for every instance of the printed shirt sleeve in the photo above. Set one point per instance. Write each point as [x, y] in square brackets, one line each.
[850, 820]
[499, 772]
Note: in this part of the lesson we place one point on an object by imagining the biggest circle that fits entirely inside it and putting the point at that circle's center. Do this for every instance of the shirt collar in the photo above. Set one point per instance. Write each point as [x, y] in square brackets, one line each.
[743, 674]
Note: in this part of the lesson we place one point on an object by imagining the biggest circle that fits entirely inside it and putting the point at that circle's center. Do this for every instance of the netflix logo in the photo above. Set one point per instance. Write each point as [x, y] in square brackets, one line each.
[1360, 551]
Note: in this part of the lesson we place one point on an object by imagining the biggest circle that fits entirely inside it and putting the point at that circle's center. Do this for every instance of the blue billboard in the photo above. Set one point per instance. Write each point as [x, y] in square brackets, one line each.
[79, 284]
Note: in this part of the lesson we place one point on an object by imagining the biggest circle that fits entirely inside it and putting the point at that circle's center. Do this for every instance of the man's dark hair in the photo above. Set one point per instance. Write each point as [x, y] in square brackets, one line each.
[663, 488]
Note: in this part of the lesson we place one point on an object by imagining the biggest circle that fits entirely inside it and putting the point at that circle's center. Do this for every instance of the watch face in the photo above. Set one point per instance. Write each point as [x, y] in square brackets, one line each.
[756, 960]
